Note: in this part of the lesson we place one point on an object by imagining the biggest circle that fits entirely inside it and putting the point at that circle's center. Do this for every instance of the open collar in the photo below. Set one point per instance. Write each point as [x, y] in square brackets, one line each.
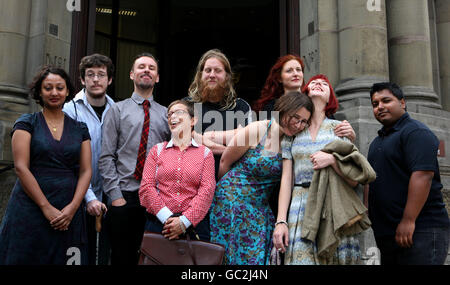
[170, 143]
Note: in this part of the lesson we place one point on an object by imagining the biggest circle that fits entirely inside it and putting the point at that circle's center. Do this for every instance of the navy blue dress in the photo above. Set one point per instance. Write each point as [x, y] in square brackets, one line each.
[26, 236]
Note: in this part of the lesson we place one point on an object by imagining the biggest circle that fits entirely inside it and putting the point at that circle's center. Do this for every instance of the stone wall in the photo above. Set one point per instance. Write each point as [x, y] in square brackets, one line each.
[32, 33]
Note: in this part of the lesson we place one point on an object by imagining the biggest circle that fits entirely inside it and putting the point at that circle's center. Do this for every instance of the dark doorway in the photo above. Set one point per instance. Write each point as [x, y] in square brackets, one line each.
[178, 32]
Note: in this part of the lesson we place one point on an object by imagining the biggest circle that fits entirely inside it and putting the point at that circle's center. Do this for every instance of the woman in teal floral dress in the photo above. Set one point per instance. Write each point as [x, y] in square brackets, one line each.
[241, 218]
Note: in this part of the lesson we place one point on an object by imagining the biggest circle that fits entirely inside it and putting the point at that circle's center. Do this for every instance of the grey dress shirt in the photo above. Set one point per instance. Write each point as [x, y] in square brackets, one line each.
[122, 130]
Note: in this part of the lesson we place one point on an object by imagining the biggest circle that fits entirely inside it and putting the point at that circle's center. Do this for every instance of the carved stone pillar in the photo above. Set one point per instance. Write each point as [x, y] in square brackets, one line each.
[443, 39]
[410, 51]
[14, 31]
[363, 53]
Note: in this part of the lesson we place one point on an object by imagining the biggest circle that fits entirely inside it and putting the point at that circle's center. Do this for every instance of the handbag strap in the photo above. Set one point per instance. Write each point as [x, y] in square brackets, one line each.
[191, 249]
[188, 239]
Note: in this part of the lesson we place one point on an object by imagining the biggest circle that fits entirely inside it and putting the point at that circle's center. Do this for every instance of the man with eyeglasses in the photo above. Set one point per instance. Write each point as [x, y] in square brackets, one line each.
[132, 127]
[90, 106]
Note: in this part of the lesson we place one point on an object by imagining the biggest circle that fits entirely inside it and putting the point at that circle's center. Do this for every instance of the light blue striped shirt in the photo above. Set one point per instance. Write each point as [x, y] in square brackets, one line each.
[80, 110]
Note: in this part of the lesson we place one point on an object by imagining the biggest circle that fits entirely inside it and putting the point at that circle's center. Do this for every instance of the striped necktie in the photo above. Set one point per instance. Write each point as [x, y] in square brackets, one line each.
[143, 144]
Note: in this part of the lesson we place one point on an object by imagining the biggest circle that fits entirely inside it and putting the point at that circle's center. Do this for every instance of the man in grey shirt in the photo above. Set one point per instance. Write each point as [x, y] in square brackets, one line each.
[122, 131]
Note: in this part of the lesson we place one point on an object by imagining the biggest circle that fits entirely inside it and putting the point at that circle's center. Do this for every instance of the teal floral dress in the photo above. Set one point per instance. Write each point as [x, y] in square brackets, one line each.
[241, 218]
[301, 251]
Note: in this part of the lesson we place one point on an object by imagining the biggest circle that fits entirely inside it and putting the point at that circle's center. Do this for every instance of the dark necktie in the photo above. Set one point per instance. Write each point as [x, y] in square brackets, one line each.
[143, 144]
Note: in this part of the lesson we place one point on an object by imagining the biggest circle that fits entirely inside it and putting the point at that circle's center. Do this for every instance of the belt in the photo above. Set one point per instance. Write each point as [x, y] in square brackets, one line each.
[304, 184]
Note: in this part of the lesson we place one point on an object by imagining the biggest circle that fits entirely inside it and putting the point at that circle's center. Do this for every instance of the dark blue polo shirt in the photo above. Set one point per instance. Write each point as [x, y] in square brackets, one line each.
[395, 154]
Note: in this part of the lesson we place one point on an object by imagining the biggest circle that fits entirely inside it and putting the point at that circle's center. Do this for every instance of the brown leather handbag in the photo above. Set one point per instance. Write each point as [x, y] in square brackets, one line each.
[158, 250]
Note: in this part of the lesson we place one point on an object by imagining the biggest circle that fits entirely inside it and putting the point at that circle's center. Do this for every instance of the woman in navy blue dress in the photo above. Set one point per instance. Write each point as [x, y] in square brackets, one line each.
[44, 221]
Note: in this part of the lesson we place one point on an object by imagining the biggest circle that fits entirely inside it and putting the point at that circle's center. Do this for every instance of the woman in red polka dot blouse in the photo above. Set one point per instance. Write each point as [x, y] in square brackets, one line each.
[178, 180]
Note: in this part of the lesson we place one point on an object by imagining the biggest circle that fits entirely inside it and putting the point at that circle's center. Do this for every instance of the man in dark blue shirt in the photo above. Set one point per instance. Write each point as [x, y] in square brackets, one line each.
[409, 219]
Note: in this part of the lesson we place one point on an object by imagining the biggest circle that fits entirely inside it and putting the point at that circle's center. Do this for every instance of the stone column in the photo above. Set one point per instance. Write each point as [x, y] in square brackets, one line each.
[363, 54]
[319, 38]
[410, 51]
[14, 30]
[309, 43]
[328, 40]
[443, 39]
[363, 60]
[434, 49]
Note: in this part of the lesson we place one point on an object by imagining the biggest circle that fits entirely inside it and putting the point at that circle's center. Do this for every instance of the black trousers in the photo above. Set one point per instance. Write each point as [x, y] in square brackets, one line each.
[125, 227]
[202, 229]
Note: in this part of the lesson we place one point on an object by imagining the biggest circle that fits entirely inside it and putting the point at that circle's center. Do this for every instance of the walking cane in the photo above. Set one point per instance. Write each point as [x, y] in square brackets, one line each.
[98, 228]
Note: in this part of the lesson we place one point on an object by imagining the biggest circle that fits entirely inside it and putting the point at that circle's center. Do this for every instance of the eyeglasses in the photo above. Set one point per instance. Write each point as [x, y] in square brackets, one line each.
[295, 120]
[177, 112]
[93, 75]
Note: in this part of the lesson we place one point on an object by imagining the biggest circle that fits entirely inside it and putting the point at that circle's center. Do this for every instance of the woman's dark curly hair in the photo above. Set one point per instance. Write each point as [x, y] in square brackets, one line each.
[36, 84]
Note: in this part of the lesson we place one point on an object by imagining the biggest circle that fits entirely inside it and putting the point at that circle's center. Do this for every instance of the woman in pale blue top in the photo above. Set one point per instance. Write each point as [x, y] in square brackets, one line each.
[303, 154]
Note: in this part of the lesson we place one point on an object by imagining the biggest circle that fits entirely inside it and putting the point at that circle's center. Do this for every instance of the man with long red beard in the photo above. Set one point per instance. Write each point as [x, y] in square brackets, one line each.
[216, 102]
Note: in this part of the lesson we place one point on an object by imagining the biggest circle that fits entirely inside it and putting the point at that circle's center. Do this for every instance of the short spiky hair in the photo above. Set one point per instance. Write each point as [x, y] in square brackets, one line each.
[393, 87]
[146, 54]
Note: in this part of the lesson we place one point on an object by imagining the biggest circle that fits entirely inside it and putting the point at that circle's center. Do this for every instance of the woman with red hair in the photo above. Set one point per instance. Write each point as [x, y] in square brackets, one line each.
[302, 155]
[284, 76]
[332, 104]
[287, 75]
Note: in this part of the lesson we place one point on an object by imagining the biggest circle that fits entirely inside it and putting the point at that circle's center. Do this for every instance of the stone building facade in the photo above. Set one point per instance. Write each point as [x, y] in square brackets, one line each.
[355, 42]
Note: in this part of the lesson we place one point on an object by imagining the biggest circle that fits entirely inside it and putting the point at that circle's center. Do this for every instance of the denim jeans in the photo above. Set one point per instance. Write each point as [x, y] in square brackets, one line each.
[430, 247]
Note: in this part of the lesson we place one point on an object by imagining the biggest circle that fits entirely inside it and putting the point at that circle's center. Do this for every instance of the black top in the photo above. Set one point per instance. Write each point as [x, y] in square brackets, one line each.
[214, 119]
[395, 154]
[267, 110]
[99, 111]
